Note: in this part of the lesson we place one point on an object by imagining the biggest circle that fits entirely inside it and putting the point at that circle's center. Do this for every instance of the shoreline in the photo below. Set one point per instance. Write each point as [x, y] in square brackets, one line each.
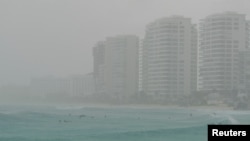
[143, 106]
[131, 106]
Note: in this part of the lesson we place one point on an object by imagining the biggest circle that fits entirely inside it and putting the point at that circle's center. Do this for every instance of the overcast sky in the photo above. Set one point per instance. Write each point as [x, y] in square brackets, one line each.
[55, 37]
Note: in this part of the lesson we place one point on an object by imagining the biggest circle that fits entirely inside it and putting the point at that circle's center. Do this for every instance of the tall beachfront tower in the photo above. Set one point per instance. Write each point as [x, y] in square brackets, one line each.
[98, 68]
[120, 68]
[222, 37]
[169, 58]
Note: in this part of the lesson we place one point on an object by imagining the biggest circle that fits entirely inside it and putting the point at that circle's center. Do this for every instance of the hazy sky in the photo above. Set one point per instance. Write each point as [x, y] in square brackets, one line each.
[55, 37]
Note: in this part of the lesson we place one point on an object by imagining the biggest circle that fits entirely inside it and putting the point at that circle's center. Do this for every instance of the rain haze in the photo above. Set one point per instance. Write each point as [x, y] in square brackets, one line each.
[92, 49]
[55, 37]
[139, 70]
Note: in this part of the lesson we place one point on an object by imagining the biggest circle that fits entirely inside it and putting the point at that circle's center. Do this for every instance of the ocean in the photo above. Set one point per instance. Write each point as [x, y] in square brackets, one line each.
[53, 123]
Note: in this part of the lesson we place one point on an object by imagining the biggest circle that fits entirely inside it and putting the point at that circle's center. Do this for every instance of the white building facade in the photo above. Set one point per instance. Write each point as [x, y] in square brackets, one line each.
[121, 66]
[98, 67]
[169, 57]
[222, 37]
[82, 85]
[68, 87]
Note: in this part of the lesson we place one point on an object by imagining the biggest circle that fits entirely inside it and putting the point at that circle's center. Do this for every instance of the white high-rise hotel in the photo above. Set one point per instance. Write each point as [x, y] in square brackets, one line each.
[116, 66]
[169, 60]
[222, 37]
[121, 66]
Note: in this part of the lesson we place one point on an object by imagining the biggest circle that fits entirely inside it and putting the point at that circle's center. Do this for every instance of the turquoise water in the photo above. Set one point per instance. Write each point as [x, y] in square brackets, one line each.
[111, 124]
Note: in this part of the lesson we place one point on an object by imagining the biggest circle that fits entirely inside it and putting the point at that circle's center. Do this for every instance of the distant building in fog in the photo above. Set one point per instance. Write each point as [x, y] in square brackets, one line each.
[121, 65]
[49, 86]
[244, 72]
[169, 57]
[98, 70]
[140, 66]
[116, 66]
[222, 37]
[82, 85]
[74, 86]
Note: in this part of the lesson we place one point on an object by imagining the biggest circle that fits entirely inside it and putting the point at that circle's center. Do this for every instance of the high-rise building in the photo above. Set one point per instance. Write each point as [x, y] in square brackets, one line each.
[140, 66]
[222, 37]
[244, 72]
[98, 70]
[121, 66]
[116, 66]
[169, 57]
